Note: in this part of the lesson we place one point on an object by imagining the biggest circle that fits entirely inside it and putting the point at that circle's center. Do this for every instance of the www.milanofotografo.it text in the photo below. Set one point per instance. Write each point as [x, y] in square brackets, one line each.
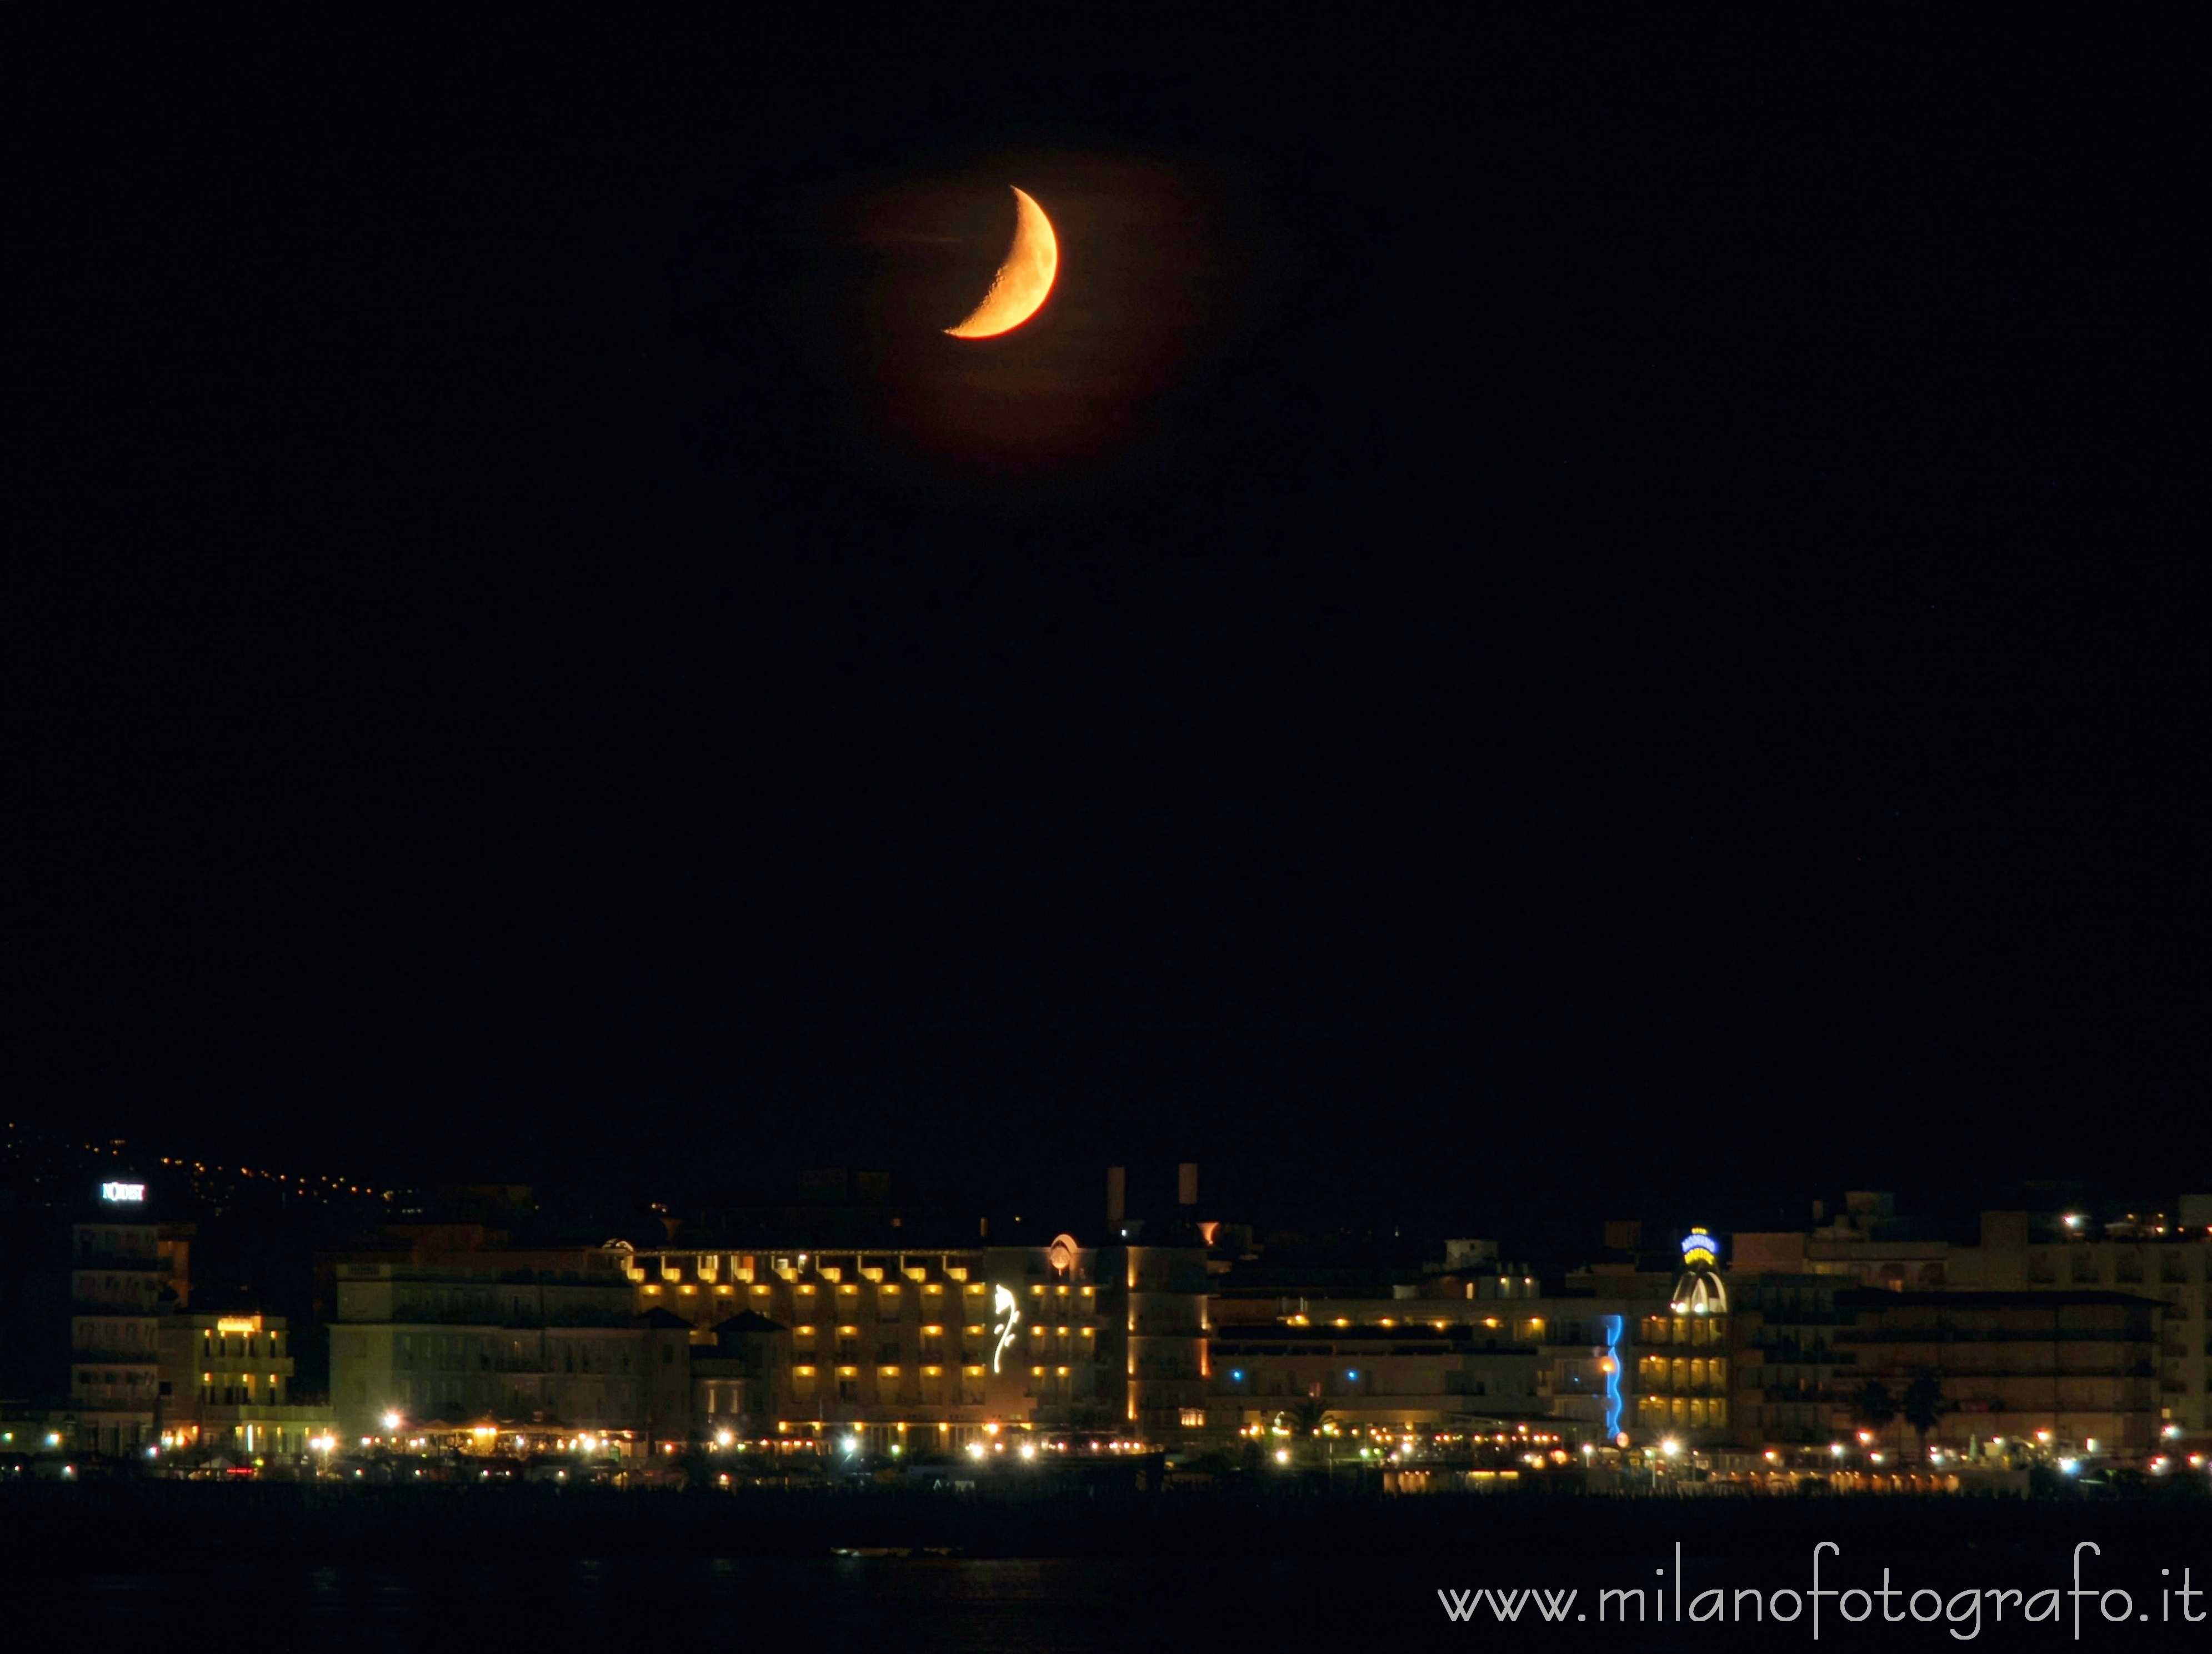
[1834, 1598]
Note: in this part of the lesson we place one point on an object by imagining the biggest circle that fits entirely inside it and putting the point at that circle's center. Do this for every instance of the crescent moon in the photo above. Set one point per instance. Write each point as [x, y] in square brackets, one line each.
[1024, 276]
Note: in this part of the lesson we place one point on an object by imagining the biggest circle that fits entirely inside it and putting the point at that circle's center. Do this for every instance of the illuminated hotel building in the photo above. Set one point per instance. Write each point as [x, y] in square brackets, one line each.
[951, 1341]
[1683, 1375]
[226, 1382]
[1455, 1348]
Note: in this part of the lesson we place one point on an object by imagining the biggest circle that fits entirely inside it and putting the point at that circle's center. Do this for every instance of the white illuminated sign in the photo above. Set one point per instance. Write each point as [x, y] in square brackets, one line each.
[123, 1191]
[1002, 1303]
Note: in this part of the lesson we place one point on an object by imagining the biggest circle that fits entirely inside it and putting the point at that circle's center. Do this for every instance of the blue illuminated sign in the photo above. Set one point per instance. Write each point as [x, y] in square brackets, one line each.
[1612, 1325]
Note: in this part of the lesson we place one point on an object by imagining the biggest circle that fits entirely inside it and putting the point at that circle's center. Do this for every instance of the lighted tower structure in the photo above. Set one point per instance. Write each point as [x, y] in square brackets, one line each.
[1699, 1289]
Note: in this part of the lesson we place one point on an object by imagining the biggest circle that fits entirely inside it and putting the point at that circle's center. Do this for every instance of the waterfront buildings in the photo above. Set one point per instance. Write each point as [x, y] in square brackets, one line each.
[2076, 1368]
[227, 1385]
[119, 1286]
[2149, 1257]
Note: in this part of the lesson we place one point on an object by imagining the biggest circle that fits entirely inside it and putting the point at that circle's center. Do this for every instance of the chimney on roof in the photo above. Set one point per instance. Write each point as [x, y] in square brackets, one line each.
[1117, 1196]
[1187, 1183]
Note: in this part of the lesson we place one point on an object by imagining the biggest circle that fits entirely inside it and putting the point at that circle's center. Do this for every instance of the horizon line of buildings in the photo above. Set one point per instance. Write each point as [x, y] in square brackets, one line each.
[1174, 1332]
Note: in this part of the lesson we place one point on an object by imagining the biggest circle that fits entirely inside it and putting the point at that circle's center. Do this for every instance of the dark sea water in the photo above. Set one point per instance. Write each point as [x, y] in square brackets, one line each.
[162, 1569]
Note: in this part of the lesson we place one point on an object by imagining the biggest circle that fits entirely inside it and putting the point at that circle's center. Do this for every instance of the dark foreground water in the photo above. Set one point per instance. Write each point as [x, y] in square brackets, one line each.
[193, 1566]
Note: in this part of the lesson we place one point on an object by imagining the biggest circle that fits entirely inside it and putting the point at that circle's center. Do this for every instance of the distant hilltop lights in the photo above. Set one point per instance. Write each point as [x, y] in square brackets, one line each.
[317, 1186]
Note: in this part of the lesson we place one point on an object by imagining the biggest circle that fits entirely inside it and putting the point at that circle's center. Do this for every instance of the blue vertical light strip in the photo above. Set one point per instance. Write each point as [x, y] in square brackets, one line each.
[1612, 1325]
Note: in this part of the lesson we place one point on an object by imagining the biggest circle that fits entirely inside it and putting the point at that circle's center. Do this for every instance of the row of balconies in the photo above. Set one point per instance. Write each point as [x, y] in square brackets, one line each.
[745, 1269]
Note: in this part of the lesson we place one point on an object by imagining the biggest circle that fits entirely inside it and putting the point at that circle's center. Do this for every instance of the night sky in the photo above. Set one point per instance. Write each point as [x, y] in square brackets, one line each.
[1578, 613]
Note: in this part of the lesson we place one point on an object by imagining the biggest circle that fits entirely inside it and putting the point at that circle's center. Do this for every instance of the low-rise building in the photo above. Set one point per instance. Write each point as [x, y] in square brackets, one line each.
[227, 1384]
[417, 1342]
[1410, 1376]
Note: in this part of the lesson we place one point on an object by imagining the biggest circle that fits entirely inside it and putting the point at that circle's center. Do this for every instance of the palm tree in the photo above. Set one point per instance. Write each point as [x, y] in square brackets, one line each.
[1303, 1419]
[1924, 1405]
[1874, 1406]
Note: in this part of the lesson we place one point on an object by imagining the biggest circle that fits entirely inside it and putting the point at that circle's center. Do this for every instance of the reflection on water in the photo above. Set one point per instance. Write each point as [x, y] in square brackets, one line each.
[914, 1603]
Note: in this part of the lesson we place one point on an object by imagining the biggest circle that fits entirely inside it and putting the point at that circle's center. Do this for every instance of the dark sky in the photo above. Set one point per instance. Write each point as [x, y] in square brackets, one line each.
[1581, 610]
